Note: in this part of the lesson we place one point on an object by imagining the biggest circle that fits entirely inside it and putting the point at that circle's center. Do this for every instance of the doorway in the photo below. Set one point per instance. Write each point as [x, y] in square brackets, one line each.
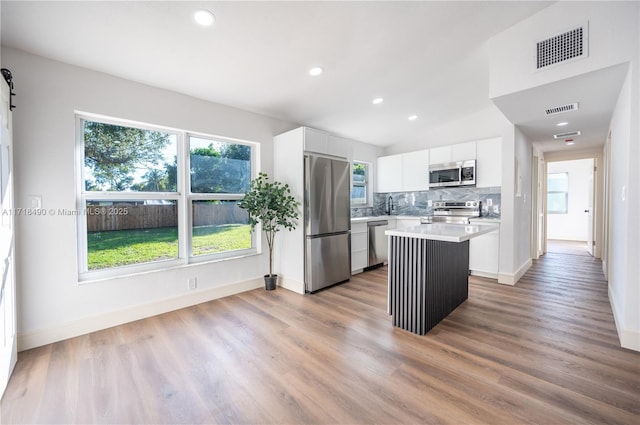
[570, 211]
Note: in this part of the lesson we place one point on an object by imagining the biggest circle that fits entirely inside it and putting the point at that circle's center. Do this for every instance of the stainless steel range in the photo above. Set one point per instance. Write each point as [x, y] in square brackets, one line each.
[456, 212]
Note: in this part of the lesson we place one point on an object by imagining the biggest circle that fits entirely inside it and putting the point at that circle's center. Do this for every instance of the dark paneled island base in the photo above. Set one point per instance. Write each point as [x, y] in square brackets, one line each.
[428, 279]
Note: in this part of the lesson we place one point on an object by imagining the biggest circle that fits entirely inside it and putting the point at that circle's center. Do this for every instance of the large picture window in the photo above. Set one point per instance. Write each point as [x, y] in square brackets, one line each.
[151, 197]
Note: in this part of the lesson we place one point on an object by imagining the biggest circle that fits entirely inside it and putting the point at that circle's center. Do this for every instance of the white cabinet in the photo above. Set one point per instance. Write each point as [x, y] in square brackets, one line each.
[359, 246]
[440, 155]
[463, 151]
[484, 254]
[389, 175]
[339, 146]
[452, 153]
[415, 171]
[489, 163]
[324, 143]
[404, 222]
[315, 140]
[288, 158]
[407, 172]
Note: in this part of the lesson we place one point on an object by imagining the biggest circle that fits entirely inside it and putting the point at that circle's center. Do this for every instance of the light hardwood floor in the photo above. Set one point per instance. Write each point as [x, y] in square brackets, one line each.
[544, 351]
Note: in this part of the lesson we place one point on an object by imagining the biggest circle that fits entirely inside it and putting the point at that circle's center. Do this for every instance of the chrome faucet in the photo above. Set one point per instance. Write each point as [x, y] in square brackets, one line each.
[390, 206]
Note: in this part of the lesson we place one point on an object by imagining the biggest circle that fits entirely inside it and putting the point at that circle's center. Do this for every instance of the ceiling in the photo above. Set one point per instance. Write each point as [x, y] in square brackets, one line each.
[423, 57]
[595, 93]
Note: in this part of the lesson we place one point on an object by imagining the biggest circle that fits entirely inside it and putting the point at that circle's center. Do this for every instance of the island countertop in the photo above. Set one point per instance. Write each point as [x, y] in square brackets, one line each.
[444, 231]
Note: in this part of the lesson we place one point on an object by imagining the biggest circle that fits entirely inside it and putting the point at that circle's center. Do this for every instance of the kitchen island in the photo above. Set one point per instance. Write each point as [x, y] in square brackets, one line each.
[429, 272]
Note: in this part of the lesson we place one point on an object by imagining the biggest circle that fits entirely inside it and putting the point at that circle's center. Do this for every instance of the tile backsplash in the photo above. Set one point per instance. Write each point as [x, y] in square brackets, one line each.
[416, 203]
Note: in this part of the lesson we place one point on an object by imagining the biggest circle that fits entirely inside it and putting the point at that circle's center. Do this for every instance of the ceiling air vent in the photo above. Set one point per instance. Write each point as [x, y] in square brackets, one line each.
[566, 134]
[562, 108]
[562, 47]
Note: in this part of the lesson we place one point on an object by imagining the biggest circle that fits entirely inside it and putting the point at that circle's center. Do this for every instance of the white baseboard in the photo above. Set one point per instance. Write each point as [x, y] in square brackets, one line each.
[488, 275]
[291, 285]
[513, 278]
[628, 339]
[92, 324]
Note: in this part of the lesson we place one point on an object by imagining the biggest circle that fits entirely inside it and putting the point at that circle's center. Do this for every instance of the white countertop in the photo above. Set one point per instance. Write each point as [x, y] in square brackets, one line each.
[485, 220]
[444, 231]
[384, 217]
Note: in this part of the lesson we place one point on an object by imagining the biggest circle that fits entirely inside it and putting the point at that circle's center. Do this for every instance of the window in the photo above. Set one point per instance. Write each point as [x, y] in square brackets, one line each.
[360, 187]
[220, 175]
[557, 193]
[151, 197]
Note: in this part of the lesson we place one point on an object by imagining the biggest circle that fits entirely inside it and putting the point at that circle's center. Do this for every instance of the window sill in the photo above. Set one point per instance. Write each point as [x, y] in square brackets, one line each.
[170, 265]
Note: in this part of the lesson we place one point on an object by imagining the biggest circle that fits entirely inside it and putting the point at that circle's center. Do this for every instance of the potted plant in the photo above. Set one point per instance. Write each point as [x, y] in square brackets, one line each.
[272, 206]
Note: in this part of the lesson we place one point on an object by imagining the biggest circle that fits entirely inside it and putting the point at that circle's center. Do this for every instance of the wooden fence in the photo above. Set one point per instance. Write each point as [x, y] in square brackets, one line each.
[128, 216]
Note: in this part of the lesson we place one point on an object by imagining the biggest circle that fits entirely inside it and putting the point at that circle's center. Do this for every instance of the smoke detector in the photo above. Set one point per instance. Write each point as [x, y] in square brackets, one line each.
[566, 134]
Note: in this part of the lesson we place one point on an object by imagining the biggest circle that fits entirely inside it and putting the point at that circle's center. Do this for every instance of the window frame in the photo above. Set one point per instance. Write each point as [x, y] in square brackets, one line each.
[191, 196]
[182, 196]
[555, 192]
[365, 184]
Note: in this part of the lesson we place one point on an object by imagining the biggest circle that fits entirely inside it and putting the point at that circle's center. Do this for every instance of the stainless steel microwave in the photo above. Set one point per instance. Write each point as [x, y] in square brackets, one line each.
[453, 174]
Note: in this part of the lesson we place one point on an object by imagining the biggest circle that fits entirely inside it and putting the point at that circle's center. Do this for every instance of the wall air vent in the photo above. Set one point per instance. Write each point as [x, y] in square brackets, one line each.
[562, 108]
[566, 134]
[570, 45]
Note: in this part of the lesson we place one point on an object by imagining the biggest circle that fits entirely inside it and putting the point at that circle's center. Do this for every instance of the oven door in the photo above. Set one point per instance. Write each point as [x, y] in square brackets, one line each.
[445, 175]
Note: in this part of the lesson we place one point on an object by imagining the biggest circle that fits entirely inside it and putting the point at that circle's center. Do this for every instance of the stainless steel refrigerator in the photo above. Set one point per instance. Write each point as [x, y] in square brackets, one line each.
[327, 217]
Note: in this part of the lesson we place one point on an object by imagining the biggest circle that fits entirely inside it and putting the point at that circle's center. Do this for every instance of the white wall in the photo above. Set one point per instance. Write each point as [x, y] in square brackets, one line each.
[614, 38]
[612, 30]
[573, 225]
[52, 305]
[483, 124]
[624, 256]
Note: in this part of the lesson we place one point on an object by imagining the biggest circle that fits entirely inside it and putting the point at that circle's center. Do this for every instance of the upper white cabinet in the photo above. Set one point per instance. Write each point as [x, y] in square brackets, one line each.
[407, 172]
[463, 151]
[315, 140]
[389, 176]
[489, 163]
[339, 146]
[324, 143]
[452, 153]
[440, 155]
[415, 171]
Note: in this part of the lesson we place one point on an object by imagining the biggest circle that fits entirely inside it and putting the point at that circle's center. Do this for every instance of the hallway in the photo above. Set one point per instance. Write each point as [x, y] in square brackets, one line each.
[557, 246]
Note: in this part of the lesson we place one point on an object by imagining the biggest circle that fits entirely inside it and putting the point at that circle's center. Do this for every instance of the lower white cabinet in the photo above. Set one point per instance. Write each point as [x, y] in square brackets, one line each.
[359, 246]
[403, 223]
[484, 254]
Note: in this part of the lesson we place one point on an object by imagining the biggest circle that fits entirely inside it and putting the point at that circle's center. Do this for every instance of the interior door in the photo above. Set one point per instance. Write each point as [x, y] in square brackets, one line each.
[589, 212]
[8, 341]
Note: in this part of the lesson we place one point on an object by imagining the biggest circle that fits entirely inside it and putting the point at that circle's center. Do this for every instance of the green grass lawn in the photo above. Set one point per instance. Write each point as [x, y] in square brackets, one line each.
[124, 247]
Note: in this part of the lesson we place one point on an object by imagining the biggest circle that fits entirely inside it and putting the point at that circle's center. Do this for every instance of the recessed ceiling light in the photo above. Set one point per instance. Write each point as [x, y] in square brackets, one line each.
[560, 124]
[204, 17]
[413, 117]
[315, 71]
[378, 100]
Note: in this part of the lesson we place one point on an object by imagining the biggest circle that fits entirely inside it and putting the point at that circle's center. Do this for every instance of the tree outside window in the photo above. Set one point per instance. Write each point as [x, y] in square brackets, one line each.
[359, 188]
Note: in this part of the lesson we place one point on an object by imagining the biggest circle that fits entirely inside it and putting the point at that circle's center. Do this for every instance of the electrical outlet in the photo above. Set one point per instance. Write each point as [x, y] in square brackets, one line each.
[35, 202]
[193, 283]
[429, 203]
[489, 202]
